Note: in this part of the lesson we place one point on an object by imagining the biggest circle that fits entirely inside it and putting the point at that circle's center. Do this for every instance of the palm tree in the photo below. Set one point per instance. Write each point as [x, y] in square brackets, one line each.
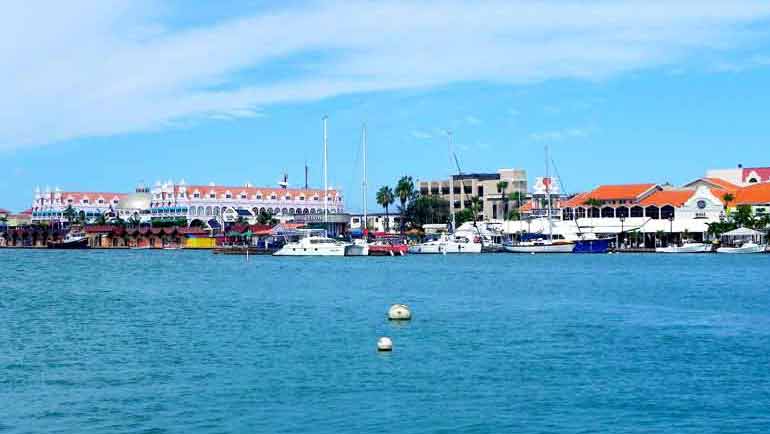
[385, 199]
[404, 191]
[727, 198]
[100, 220]
[501, 187]
[476, 207]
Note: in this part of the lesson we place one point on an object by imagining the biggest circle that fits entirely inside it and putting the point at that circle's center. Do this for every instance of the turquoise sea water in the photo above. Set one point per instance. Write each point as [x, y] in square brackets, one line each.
[189, 342]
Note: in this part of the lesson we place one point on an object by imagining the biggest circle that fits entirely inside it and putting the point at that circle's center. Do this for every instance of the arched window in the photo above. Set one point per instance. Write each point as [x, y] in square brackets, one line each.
[667, 212]
[200, 210]
[262, 210]
[216, 210]
[284, 211]
[637, 211]
[312, 210]
[305, 211]
[581, 213]
[608, 212]
[208, 210]
[276, 211]
[593, 212]
[567, 214]
[621, 212]
[652, 212]
[291, 210]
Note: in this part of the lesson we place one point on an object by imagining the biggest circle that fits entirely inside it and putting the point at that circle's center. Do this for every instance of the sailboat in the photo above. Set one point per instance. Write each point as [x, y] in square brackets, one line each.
[541, 244]
[317, 245]
[360, 247]
[449, 242]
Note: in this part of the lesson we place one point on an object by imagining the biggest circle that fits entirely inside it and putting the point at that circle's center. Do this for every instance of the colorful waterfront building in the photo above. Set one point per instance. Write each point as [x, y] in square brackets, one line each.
[216, 203]
[49, 205]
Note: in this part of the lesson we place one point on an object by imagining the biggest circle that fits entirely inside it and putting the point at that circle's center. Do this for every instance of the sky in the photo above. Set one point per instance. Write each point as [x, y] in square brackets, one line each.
[99, 95]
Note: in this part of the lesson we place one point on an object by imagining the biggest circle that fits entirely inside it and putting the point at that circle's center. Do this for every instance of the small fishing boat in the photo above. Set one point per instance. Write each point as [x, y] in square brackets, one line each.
[386, 247]
[749, 247]
[686, 247]
[73, 240]
[743, 240]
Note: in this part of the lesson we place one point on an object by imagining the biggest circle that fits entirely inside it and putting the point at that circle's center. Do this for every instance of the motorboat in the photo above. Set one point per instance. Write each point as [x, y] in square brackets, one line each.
[73, 240]
[447, 244]
[748, 247]
[359, 247]
[686, 247]
[314, 246]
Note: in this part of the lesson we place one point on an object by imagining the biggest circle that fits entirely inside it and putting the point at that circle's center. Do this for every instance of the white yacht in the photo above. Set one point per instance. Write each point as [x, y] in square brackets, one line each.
[749, 247]
[313, 246]
[686, 247]
[447, 244]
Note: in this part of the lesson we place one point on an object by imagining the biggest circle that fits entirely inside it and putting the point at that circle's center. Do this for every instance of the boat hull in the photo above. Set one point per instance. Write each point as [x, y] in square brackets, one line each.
[746, 249]
[394, 250]
[289, 250]
[592, 246]
[445, 248]
[69, 245]
[544, 248]
[687, 248]
[357, 250]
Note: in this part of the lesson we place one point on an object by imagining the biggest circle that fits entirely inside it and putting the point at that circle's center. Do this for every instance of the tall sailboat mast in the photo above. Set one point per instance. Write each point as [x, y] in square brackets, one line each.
[548, 193]
[363, 184]
[451, 185]
[326, 180]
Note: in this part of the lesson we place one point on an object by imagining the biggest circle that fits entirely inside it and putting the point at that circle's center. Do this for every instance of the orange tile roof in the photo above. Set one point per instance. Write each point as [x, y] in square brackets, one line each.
[753, 195]
[676, 198]
[577, 200]
[623, 191]
[250, 191]
[725, 185]
[526, 207]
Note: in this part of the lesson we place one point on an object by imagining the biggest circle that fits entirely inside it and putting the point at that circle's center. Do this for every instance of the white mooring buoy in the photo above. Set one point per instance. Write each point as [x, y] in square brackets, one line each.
[399, 312]
[384, 344]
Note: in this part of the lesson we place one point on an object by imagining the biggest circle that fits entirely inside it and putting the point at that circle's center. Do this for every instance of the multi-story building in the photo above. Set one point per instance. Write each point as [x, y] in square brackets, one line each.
[49, 205]
[481, 185]
[193, 202]
[214, 202]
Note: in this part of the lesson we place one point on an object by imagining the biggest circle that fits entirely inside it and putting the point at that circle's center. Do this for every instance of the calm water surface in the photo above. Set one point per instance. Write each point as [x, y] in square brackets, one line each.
[189, 342]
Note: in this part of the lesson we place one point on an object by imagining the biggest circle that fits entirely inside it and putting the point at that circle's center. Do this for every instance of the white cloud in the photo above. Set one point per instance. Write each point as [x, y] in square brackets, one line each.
[472, 120]
[558, 135]
[98, 67]
[422, 135]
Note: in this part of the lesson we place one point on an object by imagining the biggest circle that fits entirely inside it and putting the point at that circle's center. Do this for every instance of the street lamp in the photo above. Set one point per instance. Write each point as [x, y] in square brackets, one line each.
[670, 228]
[622, 220]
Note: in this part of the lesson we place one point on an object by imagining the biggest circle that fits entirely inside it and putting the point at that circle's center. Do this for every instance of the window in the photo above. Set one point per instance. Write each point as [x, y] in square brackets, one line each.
[212, 196]
[196, 195]
[228, 196]
[85, 200]
[272, 197]
[101, 201]
[243, 196]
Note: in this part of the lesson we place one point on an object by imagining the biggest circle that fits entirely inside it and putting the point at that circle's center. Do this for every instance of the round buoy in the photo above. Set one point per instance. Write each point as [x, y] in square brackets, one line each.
[384, 344]
[531, 253]
[399, 312]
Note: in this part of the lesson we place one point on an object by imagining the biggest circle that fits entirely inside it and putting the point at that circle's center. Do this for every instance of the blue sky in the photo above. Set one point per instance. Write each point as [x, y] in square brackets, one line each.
[99, 95]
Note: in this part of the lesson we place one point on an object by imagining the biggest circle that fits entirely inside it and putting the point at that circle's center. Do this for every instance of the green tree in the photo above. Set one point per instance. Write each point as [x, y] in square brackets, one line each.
[464, 215]
[427, 210]
[477, 205]
[518, 199]
[385, 198]
[501, 187]
[100, 220]
[70, 214]
[266, 218]
[405, 192]
[594, 203]
[744, 217]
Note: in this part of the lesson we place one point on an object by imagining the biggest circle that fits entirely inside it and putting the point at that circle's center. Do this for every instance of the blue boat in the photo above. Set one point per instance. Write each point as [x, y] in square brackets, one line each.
[599, 245]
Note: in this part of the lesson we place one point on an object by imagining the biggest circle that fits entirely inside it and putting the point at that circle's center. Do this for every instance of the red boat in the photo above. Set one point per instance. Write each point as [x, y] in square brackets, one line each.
[388, 246]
